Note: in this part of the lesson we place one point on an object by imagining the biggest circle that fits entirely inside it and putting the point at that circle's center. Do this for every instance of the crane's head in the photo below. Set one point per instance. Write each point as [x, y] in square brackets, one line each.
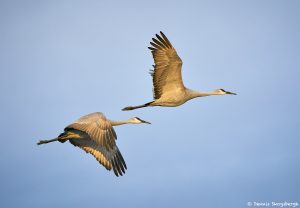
[137, 120]
[224, 92]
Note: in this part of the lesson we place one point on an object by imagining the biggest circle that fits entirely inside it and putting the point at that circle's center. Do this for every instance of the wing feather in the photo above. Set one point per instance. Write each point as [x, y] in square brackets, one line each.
[156, 46]
[168, 43]
[96, 136]
[158, 43]
[166, 74]
[162, 40]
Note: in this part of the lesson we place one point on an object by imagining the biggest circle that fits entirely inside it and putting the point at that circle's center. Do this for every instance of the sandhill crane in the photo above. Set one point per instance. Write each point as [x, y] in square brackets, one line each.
[94, 134]
[169, 89]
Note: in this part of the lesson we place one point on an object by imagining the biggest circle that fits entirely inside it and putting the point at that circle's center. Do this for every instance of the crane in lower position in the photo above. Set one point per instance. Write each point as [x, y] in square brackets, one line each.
[169, 89]
[94, 134]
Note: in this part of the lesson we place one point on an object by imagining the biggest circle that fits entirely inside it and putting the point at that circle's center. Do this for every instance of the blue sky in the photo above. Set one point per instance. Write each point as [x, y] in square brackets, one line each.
[60, 60]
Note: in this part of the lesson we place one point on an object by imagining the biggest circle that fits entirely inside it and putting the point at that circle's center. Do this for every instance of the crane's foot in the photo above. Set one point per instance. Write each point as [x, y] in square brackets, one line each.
[42, 142]
[128, 108]
[46, 141]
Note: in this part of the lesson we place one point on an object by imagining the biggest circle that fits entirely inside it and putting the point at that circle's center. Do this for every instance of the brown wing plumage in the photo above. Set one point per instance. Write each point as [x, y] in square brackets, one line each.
[96, 136]
[167, 69]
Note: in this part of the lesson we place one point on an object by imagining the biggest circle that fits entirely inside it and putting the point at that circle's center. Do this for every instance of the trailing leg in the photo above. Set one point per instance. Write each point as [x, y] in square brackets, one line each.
[47, 141]
[135, 107]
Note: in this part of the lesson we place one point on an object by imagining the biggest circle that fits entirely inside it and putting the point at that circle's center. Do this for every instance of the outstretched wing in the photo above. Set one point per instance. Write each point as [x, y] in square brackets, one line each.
[97, 137]
[98, 128]
[167, 69]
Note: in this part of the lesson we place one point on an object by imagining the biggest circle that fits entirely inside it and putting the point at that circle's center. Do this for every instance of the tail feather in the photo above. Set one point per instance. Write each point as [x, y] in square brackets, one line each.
[135, 107]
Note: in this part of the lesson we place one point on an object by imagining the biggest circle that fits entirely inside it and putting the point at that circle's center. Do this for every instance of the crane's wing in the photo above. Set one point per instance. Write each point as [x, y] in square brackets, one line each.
[111, 159]
[167, 69]
[100, 141]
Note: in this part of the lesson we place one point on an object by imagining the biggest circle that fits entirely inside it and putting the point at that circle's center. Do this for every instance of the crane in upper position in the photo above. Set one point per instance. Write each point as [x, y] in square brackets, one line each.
[169, 89]
[94, 134]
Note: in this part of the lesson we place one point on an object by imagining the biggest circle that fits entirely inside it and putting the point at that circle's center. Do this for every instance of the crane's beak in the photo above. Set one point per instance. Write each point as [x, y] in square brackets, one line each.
[230, 93]
[145, 121]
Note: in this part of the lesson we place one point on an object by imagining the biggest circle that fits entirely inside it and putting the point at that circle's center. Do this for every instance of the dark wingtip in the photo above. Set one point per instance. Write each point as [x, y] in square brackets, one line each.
[151, 48]
[162, 34]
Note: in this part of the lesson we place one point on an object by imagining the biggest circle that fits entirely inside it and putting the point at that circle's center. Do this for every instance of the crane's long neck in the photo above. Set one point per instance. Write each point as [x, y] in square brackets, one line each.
[117, 123]
[194, 94]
